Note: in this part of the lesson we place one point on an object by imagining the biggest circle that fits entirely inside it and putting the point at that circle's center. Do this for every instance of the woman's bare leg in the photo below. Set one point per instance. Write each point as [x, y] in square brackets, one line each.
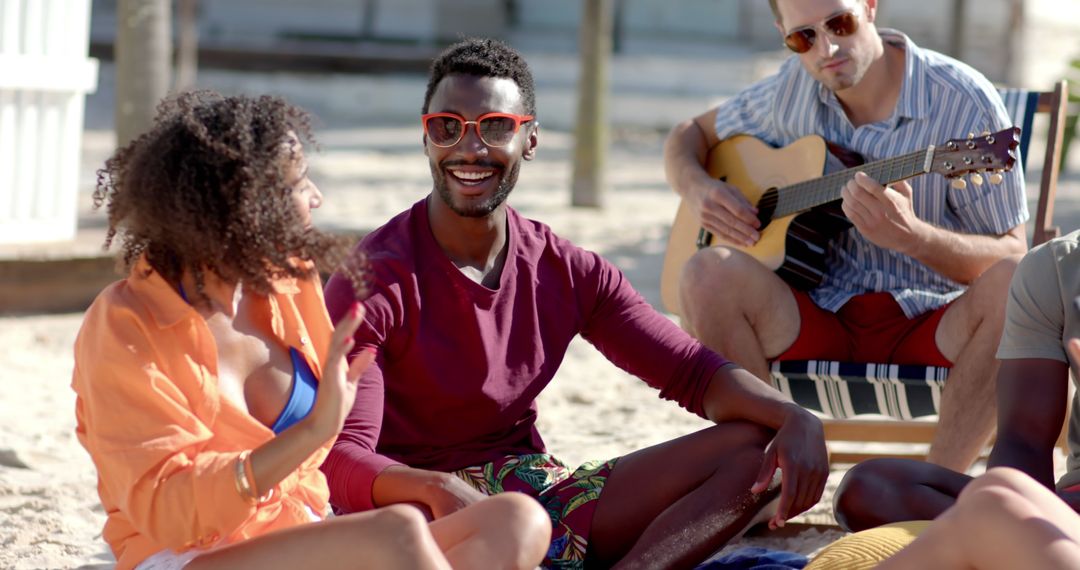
[391, 537]
[509, 530]
[1003, 519]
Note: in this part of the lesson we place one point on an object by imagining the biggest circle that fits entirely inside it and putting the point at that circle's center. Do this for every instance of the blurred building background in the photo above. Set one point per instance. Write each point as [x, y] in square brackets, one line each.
[360, 67]
[1022, 42]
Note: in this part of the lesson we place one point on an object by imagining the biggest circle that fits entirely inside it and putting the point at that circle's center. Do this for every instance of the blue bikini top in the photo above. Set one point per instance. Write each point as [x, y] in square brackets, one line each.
[301, 397]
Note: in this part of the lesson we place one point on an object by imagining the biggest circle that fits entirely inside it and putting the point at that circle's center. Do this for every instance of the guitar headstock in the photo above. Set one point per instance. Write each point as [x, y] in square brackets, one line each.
[988, 152]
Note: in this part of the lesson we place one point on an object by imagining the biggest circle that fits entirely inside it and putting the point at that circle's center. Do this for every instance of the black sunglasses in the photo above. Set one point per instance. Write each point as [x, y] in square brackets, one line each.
[841, 25]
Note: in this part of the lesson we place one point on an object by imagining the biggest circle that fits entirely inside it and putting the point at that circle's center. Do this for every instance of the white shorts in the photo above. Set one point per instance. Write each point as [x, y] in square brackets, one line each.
[171, 560]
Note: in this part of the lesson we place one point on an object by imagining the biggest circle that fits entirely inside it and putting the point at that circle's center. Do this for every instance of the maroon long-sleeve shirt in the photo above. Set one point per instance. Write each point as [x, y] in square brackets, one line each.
[459, 366]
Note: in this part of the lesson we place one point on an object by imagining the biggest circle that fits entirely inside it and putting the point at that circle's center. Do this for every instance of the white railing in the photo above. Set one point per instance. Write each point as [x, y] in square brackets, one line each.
[45, 74]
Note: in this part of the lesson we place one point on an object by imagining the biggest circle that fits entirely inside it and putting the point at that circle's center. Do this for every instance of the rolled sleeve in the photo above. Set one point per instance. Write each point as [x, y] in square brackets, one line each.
[750, 112]
[351, 472]
[353, 463]
[991, 208]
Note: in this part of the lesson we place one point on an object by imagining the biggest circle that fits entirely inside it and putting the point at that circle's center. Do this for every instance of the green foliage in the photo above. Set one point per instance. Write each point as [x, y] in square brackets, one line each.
[1071, 118]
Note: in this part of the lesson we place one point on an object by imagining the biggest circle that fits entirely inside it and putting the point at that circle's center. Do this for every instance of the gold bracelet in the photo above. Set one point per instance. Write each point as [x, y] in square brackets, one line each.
[250, 476]
[243, 485]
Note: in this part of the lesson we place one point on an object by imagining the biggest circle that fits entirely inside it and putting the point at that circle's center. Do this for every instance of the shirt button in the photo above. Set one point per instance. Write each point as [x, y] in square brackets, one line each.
[303, 341]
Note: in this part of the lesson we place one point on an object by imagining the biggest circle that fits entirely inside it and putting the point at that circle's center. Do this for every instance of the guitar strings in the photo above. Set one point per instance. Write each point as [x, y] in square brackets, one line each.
[803, 195]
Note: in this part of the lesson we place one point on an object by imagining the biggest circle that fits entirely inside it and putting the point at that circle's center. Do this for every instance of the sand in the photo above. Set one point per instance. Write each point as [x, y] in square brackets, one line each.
[49, 511]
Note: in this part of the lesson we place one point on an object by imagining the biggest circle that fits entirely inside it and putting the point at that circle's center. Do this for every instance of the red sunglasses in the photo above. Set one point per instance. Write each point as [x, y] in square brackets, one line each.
[841, 25]
[495, 129]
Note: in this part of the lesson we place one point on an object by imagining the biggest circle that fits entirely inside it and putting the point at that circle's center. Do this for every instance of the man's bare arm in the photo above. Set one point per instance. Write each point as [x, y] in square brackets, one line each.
[1032, 397]
[886, 217]
[797, 449]
[963, 257]
[685, 150]
[723, 209]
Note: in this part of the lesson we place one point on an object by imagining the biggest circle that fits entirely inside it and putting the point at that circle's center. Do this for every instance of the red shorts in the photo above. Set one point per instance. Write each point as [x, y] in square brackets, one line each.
[868, 328]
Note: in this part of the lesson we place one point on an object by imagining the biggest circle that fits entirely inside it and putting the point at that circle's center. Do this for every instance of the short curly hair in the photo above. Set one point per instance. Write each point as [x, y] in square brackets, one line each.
[483, 57]
[205, 189]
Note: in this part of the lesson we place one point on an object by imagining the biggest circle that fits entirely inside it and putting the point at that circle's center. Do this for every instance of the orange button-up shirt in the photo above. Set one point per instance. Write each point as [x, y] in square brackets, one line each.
[164, 440]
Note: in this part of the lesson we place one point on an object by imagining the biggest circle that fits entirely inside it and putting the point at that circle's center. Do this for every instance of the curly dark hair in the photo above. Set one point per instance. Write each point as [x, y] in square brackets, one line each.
[205, 190]
[483, 57]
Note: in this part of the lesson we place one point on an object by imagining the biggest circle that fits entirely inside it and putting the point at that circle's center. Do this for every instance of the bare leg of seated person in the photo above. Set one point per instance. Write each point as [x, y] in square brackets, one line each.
[509, 529]
[882, 491]
[673, 504]
[741, 309]
[968, 335]
[1002, 520]
[738, 307]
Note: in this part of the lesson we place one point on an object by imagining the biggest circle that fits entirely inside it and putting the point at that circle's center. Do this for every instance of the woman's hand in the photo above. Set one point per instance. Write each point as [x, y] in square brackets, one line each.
[337, 388]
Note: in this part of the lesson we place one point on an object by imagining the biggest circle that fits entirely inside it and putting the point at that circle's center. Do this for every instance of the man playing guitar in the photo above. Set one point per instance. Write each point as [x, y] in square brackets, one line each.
[921, 277]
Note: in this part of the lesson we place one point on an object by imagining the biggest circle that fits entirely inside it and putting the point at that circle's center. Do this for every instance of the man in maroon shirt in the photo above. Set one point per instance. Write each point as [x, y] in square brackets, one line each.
[472, 311]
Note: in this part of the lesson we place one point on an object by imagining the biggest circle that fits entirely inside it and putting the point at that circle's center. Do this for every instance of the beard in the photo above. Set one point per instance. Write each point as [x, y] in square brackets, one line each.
[482, 208]
[859, 59]
[838, 83]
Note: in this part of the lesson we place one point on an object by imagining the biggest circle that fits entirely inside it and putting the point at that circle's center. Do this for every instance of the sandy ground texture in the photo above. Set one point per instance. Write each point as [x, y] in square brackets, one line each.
[49, 512]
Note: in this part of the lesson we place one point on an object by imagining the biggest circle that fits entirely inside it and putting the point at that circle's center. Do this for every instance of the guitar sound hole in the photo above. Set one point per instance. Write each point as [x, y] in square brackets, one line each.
[766, 207]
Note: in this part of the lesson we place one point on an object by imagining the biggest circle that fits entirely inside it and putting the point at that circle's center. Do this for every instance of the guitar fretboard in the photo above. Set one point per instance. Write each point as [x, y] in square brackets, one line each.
[802, 196]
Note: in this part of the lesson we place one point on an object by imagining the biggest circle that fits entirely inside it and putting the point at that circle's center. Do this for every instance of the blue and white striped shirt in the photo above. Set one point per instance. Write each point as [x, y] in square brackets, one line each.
[941, 99]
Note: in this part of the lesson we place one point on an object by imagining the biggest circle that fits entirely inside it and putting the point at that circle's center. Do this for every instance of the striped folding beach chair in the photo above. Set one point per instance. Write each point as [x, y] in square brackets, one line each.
[843, 390]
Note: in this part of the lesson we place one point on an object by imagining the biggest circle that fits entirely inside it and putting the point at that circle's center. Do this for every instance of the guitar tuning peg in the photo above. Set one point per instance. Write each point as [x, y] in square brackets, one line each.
[971, 136]
[977, 179]
[996, 178]
[985, 134]
[959, 183]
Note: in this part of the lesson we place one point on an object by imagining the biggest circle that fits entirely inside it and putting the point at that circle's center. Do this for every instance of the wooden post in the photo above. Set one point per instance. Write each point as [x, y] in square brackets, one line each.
[1015, 51]
[591, 132]
[959, 24]
[187, 49]
[367, 24]
[618, 26]
[143, 64]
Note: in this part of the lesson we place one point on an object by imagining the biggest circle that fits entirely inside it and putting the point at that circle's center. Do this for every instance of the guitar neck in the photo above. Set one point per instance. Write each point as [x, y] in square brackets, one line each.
[802, 196]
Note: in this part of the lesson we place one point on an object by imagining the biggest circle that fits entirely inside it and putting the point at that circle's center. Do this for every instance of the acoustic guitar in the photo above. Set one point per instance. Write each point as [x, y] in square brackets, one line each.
[799, 208]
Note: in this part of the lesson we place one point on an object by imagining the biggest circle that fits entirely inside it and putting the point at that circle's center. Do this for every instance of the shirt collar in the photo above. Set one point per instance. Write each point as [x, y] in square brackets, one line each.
[914, 99]
[167, 306]
[162, 301]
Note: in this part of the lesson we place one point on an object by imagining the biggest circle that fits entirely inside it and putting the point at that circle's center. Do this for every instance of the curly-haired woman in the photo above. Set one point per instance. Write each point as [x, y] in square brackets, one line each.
[211, 382]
